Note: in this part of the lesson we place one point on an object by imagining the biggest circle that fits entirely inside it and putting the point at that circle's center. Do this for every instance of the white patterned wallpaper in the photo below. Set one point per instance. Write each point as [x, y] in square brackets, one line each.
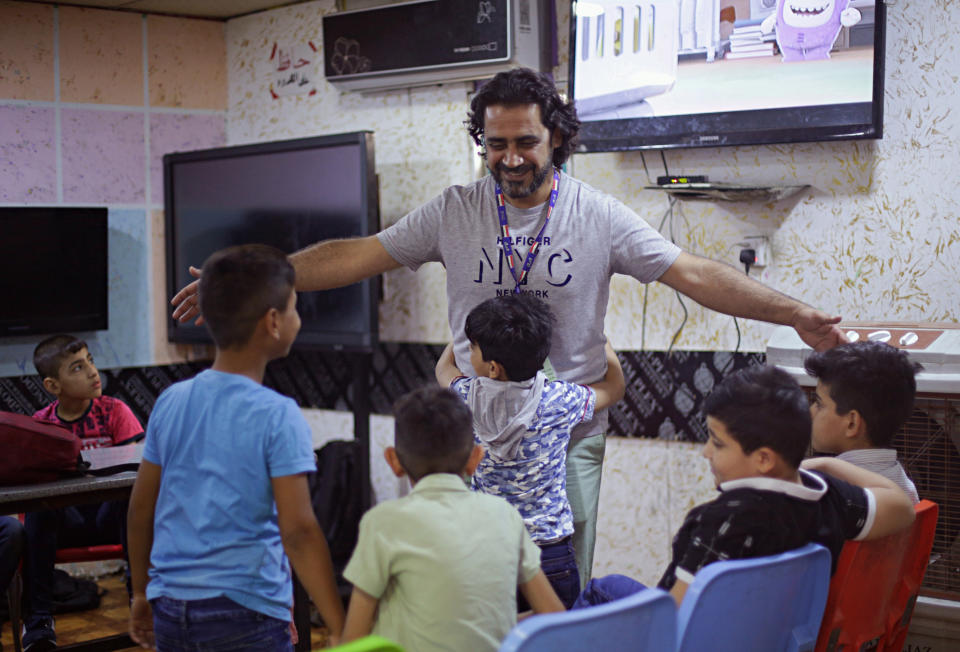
[876, 236]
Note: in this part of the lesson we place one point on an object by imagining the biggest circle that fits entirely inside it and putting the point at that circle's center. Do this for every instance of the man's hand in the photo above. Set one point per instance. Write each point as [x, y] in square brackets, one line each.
[817, 329]
[141, 622]
[187, 300]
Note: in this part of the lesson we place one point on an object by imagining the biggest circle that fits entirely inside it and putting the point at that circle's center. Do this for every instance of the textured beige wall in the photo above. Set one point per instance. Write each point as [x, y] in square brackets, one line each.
[877, 236]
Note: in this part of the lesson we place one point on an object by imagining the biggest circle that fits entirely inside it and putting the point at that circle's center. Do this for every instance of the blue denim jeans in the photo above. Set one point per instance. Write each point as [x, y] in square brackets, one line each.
[68, 527]
[11, 548]
[215, 625]
[601, 590]
[559, 563]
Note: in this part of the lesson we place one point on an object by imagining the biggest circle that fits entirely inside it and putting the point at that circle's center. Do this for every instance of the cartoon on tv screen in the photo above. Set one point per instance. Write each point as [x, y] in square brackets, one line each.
[679, 57]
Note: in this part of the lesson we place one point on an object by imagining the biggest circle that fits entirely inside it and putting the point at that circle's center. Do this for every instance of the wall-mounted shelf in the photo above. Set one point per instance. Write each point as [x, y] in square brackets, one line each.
[728, 191]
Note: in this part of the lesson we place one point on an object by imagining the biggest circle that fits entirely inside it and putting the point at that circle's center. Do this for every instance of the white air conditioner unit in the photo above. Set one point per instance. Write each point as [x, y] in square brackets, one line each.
[433, 41]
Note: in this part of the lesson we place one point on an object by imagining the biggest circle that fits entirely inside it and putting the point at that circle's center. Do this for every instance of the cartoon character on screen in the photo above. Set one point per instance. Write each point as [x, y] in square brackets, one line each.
[806, 29]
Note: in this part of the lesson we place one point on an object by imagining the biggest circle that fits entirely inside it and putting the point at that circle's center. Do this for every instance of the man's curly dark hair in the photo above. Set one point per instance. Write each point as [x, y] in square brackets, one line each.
[525, 86]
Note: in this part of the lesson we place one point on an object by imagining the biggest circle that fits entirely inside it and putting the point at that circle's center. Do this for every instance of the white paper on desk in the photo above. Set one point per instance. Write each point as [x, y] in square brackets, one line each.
[113, 459]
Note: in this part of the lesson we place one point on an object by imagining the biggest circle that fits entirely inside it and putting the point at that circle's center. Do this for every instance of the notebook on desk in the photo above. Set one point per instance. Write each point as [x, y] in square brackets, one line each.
[113, 459]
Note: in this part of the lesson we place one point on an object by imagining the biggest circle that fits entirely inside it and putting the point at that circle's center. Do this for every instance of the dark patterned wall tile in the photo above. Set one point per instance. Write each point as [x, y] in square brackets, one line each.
[663, 398]
[665, 393]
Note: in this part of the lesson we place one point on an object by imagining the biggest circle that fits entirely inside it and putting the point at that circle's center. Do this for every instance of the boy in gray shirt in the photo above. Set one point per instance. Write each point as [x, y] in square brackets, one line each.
[864, 395]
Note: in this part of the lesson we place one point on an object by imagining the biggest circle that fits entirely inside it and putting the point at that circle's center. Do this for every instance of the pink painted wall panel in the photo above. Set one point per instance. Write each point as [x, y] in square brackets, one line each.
[28, 166]
[180, 133]
[104, 156]
[26, 51]
[101, 56]
[187, 63]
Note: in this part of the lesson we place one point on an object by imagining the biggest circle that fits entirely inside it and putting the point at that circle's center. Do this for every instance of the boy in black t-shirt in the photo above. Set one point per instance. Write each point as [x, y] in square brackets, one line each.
[758, 422]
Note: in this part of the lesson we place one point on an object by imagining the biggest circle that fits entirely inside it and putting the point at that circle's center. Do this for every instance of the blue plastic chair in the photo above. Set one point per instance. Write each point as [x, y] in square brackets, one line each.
[644, 621]
[766, 603]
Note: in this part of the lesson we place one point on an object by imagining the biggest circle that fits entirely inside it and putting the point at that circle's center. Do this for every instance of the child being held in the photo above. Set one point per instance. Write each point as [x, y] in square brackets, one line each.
[864, 395]
[222, 492]
[439, 568]
[523, 421]
[758, 420]
[66, 366]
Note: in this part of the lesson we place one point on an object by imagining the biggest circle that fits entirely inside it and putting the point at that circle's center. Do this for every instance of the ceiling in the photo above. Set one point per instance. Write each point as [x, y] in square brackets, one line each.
[213, 9]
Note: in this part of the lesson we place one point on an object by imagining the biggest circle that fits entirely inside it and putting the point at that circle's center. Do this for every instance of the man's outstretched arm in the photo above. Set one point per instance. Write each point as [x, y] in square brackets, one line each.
[336, 263]
[322, 266]
[723, 288]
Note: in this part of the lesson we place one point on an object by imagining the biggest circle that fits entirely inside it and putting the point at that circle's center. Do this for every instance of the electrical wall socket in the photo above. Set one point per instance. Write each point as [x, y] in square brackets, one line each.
[761, 245]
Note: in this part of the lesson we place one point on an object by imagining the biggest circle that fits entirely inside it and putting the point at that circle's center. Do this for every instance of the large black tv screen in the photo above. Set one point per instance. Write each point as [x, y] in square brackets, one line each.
[289, 194]
[53, 270]
[704, 73]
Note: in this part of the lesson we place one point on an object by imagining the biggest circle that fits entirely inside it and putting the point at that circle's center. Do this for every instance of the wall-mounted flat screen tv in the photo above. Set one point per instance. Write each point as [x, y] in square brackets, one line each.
[289, 194]
[702, 73]
[53, 270]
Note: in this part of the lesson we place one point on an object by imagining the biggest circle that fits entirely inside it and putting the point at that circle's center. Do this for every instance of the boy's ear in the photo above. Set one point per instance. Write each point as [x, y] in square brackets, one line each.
[855, 425]
[393, 461]
[271, 323]
[765, 460]
[496, 371]
[475, 456]
[52, 385]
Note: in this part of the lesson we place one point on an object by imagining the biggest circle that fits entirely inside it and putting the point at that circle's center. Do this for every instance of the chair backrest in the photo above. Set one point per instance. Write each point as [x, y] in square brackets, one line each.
[765, 603]
[371, 643]
[875, 586]
[911, 575]
[89, 553]
[643, 621]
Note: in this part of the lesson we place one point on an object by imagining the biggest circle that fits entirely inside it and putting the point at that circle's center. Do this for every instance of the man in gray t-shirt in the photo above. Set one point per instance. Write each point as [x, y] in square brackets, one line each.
[527, 132]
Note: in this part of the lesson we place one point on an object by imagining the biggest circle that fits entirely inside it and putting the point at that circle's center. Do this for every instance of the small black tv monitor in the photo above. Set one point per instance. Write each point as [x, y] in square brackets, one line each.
[288, 194]
[53, 270]
[703, 73]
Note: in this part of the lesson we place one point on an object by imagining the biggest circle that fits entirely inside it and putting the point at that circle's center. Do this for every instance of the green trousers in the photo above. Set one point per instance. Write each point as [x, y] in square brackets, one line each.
[584, 467]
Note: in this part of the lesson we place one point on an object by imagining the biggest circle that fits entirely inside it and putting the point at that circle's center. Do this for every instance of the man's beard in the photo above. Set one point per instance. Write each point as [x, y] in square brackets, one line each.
[516, 189]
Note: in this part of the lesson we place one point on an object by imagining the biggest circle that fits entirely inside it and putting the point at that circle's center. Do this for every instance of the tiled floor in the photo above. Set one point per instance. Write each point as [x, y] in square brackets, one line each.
[110, 618]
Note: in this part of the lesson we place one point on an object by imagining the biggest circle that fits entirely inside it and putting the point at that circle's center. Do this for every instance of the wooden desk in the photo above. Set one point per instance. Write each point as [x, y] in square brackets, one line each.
[91, 489]
[64, 493]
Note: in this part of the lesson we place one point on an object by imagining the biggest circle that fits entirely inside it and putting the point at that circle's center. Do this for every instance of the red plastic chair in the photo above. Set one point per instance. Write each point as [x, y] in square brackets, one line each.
[90, 553]
[874, 589]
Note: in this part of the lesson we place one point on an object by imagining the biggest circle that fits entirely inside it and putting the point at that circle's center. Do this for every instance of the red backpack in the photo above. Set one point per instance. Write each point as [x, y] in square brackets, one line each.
[35, 451]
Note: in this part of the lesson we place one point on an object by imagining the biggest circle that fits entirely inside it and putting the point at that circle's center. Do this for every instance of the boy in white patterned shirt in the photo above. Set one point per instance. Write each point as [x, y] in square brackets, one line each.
[523, 421]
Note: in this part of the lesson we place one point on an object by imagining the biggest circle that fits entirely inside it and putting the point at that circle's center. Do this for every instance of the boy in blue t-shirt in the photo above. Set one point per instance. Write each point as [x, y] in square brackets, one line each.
[523, 421]
[222, 493]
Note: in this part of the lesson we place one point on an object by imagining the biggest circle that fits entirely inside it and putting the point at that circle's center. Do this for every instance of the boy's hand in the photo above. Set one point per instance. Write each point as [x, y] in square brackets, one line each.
[141, 622]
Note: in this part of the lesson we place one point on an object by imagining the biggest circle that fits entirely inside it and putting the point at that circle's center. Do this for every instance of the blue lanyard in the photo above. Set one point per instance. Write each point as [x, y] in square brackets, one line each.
[505, 232]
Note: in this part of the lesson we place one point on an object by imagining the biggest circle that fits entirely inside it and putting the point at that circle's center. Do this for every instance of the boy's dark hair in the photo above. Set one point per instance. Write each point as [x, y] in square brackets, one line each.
[433, 431]
[524, 86]
[873, 378]
[51, 352]
[763, 406]
[238, 286]
[514, 330]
